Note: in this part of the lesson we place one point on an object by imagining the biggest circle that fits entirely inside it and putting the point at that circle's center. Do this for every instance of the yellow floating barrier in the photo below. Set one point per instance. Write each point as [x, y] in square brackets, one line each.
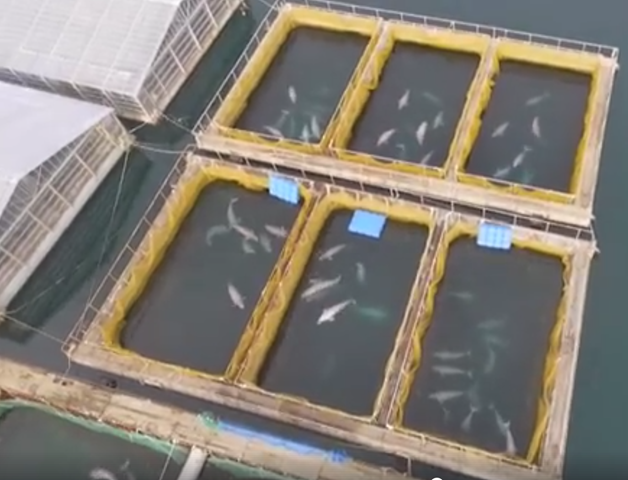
[454, 233]
[580, 62]
[442, 39]
[291, 17]
[276, 312]
[155, 246]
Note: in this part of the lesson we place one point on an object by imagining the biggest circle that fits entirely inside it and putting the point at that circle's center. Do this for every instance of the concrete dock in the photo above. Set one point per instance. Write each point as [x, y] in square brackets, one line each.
[170, 424]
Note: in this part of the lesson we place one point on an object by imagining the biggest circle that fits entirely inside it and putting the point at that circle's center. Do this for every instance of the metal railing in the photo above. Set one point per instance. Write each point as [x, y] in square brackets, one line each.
[404, 372]
[465, 27]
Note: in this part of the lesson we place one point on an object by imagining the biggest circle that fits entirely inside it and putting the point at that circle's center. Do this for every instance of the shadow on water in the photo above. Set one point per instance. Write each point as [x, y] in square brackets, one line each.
[486, 346]
[186, 316]
[73, 259]
[599, 399]
[64, 449]
[317, 361]
[532, 126]
[419, 85]
[103, 226]
[293, 102]
[175, 127]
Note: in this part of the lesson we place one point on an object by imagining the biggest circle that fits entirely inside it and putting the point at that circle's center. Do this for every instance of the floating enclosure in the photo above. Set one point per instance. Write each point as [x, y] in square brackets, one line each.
[555, 124]
[491, 328]
[385, 429]
[416, 76]
[303, 358]
[73, 258]
[177, 282]
[278, 78]
[70, 447]
[353, 133]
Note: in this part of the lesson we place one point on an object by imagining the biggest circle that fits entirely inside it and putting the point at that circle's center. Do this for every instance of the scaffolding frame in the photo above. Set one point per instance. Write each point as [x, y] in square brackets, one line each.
[38, 214]
[578, 210]
[84, 346]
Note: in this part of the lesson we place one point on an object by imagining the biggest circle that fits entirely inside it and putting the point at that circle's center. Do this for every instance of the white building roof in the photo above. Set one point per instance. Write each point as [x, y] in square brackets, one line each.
[34, 126]
[105, 44]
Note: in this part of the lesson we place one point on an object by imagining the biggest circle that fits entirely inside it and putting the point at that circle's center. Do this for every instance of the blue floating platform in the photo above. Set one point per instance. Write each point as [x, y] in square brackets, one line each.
[283, 189]
[368, 224]
[491, 235]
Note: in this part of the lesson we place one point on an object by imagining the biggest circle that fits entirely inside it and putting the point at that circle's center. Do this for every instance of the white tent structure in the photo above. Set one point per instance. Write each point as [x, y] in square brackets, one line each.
[132, 55]
[54, 152]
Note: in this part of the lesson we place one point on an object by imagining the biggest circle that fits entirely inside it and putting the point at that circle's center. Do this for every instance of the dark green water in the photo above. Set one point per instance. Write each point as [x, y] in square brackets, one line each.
[518, 154]
[598, 429]
[288, 100]
[417, 72]
[486, 340]
[597, 436]
[34, 441]
[317, 360]
[186, 316]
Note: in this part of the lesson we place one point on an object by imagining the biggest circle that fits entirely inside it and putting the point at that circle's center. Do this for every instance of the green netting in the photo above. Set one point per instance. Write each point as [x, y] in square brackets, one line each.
[208, 419]
[177, 454]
